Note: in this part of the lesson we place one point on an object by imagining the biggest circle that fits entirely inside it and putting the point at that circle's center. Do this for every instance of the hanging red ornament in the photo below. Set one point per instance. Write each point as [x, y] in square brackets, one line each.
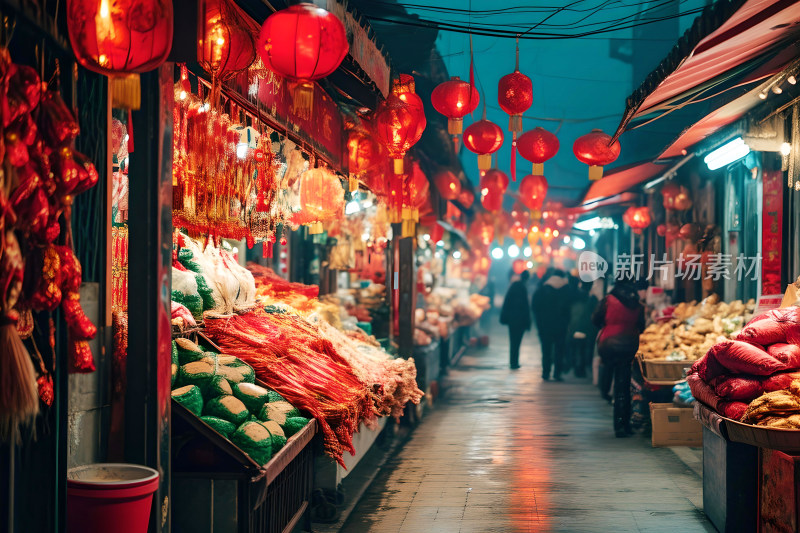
[225, 46]
[515, 95]
[518, 231]
[532, 192]
[537, 146]
[682, 200]
[483, 138]
[400, 120]
[364, 155]
[596, 150]
[321, 198]
[638, 218]
[302, 42]
[669, 191]
[466, 198]
[455, 99]
[416, 192]
[661, 230]
[519, 266]
[448, 185]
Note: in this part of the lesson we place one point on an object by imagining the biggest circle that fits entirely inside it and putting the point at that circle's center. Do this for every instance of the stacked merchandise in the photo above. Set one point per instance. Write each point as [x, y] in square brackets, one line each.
[751, 377]
[691, 329]
[221, 390]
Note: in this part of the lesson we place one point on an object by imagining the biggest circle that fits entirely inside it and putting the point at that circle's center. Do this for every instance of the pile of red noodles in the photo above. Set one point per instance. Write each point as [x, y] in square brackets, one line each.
[291, 357]
[267, 279]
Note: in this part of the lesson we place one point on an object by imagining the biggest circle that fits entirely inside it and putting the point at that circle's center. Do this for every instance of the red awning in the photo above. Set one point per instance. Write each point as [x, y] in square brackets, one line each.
[622, 179]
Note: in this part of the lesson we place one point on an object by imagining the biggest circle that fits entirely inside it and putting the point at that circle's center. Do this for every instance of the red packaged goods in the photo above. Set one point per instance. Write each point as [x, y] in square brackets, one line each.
[744, 358]
[703, 392]
[743, 388]
[780, 381]
[708, 367]
[788, 354]
[732, 410]
[774, 326]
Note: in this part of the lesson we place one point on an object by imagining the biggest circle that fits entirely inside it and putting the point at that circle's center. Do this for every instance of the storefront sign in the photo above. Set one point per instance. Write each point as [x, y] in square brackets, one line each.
[771, 238]
[767, 302]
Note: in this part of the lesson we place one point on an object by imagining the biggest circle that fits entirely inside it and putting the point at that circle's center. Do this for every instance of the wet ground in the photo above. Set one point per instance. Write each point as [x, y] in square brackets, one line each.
[504, 451]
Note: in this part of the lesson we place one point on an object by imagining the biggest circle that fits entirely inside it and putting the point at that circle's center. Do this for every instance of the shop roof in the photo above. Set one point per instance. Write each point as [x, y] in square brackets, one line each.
[733, 42]
[620, 180]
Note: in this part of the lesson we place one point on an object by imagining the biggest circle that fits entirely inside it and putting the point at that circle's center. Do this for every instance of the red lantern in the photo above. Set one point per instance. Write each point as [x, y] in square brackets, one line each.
[225, 46]
[537, 146]
[484, 138]
[481, 233]
[122, 36]
[455, 99]
[364, 155]
[532, 192]
[518, 232]
[400, 120]
[448, 185]
[682, 200]
[669, 191]
[493, 185]
[638, 218]
[321, 198]
[515, 95]
[519, 266]
[416, 190]
[466, 198]
[302, 42]
[596, 150]
[661, 230]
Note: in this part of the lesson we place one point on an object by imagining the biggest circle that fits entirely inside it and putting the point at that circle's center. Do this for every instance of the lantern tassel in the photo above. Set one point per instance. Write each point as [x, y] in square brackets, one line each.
[513, 168]
[126, 92]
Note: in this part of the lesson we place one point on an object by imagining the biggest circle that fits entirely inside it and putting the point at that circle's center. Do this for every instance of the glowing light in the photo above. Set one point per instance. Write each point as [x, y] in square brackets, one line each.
[351, 208]
[566, 239]
[578, 243]
[183, 95]
[527, 251]
[497, 253]
[726, 154]
[426, 237]
[792, 80]
[786, 148]
[241, 150]
[457, 254]
[513, 251]
[440, 244]
[530, 264]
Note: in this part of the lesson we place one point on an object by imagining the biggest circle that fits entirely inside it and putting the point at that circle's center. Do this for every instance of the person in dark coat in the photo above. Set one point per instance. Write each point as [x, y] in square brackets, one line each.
[581, 332]
[550, 306]
[516, 315]
[620, 317]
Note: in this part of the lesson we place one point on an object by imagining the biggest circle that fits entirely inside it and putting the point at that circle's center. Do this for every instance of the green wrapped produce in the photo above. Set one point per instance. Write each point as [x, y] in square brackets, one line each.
[187, 351]
[190, 397]
[255, 440]
[197, 373]
[278, 412]
[175, 364]
[185, 254]
[227, 360]
[230, 373]
[245, 370]
[219, 386]
[278, 437]
[228, 408]
[294, 424]
[205, 292]
[223, 427]
[275, 397]
[192, 302]
[253, 396]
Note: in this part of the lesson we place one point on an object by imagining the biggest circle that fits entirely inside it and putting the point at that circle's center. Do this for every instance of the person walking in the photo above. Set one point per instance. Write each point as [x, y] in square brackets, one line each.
[516, 314]
[620, 318]
[550, 306]
[581, 332]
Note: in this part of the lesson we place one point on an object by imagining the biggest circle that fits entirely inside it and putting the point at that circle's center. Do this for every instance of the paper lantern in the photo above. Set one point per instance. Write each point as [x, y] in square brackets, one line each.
[518, 232]
[466, 198]
[537, 146]
[515, 96]
[682, 201]
[363, 155]
[519, 266]
[669, 191]
[225, 46]
[483, 138]
[455, 99]
[400, 120]
[416, 191]
[532, 192]
[596, 150]
[302, 42]
[120, 37]
[481, 233]
[638, 218]
[321, 198]
[448, 185]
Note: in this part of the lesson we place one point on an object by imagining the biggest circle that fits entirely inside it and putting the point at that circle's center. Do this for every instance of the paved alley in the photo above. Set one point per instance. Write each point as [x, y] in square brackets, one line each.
[504, 451]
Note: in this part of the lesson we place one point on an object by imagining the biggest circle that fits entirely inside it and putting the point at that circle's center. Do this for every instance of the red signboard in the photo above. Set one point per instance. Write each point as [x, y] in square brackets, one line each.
[304, 110]
[771, 238]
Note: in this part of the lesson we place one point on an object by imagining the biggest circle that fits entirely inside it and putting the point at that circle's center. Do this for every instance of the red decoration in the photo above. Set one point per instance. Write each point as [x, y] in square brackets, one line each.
[638, 218]
[691, 232]
[416, 191]
[484, 138]
[518, 232]
[364, 156]
[448, 185]
[519, 266]
[400, 120]
[121, 36]
[532, 192]
[537, 146]
[682, 200]
[321, 198]
[466, 198]
[669, 191]
[225, 44]
[302, 42]
[661, 230]
[481, 233]
[596, 150]
[455, 99]
[515, 95]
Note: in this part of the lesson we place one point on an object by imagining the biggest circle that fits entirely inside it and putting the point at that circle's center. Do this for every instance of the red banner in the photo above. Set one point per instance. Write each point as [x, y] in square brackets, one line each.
[771, 238]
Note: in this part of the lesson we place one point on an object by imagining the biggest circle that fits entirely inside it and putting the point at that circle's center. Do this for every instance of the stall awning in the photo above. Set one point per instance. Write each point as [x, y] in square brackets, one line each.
[733, 42]
[621, 179]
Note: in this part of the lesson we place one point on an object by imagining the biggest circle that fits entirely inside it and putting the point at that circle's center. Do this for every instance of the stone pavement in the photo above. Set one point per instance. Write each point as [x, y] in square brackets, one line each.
[504, 451]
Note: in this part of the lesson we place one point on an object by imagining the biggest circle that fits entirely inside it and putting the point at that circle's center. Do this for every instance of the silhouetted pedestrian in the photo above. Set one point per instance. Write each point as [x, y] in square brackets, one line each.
[516, 314]
[550, 307]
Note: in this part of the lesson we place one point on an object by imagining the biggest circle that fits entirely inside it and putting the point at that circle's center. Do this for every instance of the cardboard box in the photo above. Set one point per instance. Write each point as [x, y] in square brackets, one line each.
[675, 426]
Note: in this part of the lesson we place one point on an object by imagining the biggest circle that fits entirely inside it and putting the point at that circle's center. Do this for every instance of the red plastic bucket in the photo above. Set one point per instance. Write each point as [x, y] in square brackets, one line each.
[110, 497]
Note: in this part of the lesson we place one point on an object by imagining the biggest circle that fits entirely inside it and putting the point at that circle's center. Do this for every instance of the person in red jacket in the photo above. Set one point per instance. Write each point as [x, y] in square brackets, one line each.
[620, 318]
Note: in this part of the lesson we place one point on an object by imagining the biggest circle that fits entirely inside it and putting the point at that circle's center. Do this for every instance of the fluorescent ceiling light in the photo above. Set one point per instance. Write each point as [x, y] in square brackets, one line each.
[594, 223]
[726, 154]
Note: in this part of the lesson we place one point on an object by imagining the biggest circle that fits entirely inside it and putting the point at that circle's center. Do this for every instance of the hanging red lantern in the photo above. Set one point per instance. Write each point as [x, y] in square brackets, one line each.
[448, 185]
[518, 232]
[455, 99]
[400, 120]
[483, 138]
[466, 198]
[515, 95]
[537, 146]
[682, 201]
[532, 192]
[416, 192]
[363, 155]
[321, 198]
[302, 42]
[519, 266]
[638, 218]
[493, 186]
[596, 150]
[481, 233]
[225, 46]
[669, 191]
